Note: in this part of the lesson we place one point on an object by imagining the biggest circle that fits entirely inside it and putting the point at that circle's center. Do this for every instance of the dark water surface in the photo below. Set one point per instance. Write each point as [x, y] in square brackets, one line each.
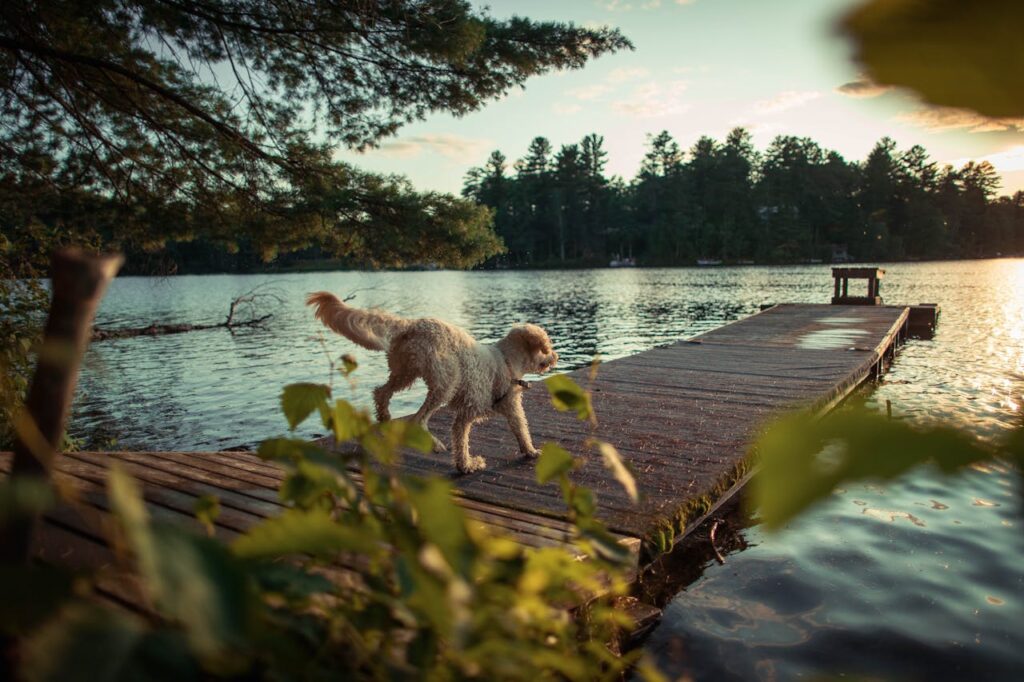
[918, 579]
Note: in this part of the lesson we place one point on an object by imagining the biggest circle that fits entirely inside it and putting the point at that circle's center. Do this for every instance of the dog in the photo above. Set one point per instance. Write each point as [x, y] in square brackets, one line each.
[475, 380]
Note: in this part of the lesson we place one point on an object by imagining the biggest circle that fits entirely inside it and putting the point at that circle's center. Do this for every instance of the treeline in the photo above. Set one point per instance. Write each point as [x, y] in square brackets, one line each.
[795, 201]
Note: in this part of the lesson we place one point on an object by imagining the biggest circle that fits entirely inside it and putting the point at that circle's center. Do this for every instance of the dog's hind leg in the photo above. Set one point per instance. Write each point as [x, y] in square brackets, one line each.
[464, 462]
[435, 400]
[382, 394]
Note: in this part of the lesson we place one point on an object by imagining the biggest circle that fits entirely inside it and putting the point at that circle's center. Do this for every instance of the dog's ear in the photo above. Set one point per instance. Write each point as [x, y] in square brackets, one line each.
[531, 338]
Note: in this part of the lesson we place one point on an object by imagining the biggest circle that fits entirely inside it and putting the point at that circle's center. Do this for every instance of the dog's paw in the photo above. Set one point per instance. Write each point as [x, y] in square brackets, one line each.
[472, 463]
[531, 454]
[438, 445]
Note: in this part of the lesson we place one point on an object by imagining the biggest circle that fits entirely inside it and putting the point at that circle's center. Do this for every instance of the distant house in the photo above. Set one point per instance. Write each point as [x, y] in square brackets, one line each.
[840, 254]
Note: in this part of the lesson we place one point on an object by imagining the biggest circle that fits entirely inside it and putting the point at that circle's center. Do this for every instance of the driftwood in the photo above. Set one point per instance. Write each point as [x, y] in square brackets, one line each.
[249, 301]
[154, 329]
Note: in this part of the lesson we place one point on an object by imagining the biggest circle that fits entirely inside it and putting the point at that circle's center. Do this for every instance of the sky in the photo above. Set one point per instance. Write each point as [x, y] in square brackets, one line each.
[700, 67]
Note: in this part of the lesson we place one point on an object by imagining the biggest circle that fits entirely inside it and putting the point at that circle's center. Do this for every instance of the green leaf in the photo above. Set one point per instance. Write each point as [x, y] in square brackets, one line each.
[613, 462]
[583, 502]
[553, 462]
[441, 521]
[347, 422]
[603, 544]
[418, 438]
[287, 449]
[298, 531]
[955, 54]
[190, 579]
[802, 460]
[385, 441]
[207, 509]
[310, 485]
[348, 364]
[567, 396]
[298, 401]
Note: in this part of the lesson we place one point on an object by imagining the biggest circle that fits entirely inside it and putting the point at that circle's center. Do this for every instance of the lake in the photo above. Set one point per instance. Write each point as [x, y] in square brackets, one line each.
[919, 579]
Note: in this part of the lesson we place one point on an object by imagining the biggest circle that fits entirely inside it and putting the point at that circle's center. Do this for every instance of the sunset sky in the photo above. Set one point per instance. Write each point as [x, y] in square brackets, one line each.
[701, 67]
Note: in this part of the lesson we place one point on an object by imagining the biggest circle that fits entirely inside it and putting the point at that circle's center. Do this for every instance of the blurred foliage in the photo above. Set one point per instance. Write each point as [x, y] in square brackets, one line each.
[368, 574]
[145, 122]
[952, 53]
[803, 459]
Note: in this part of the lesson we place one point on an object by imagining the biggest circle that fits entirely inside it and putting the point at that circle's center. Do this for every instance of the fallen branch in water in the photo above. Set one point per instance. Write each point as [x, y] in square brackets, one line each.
[249, 300]
[154, 329]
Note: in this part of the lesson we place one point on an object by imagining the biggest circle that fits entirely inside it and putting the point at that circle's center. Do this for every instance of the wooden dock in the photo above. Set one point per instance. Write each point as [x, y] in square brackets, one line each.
[682, 416]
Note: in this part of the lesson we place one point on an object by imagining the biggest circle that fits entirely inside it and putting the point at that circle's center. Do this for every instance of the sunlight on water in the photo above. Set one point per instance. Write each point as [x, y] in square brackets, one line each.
[920, 579]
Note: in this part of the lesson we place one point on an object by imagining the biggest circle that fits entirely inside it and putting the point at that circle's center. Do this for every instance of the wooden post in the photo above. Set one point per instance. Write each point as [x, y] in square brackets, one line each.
[79, 280]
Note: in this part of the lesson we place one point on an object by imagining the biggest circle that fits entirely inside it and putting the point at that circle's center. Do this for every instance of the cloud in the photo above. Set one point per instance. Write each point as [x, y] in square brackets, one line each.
[589, 92]
[565, 109]
[455, 147]
[761, 128]
[863, 88]
[784, 101]
[623, 75]
[625, 6]
[938, 119]
[1006, 161]
[653, 99]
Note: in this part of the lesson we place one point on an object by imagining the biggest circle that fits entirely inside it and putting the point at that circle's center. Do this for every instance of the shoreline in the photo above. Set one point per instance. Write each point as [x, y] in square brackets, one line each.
[337, 267]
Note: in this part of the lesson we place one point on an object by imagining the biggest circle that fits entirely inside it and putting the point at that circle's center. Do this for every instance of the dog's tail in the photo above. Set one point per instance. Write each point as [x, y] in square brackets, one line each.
[371, 329]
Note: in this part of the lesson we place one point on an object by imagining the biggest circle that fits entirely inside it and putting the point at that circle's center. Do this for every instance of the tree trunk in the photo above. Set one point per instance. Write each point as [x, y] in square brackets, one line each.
[79, 282]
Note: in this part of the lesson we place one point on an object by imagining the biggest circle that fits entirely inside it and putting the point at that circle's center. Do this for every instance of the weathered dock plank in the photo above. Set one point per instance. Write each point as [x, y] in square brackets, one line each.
[682, 416]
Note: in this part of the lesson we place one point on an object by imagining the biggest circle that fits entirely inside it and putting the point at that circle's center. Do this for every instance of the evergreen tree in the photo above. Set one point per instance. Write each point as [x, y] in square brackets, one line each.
[215, 120]
[660, 201]
[594, 230]
[796, 201]
[535, 181]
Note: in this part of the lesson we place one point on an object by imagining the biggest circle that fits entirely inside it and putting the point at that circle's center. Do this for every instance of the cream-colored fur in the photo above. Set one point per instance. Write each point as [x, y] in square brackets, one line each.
[475, 380]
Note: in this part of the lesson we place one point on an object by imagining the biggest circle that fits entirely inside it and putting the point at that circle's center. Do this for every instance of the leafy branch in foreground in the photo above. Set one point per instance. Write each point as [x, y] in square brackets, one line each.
[366, 574]
[802, 459]
[953, 54]
[148, 120]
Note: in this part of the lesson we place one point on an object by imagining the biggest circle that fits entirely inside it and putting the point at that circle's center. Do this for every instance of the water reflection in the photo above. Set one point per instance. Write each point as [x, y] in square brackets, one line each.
[920, 579]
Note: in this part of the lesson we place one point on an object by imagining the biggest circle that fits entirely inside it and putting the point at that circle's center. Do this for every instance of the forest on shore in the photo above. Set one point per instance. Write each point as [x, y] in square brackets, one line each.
[795, 201]
[719, 200]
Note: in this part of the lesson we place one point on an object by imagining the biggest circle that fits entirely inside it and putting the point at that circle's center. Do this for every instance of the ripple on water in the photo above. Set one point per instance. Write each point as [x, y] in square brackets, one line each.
[843, 590]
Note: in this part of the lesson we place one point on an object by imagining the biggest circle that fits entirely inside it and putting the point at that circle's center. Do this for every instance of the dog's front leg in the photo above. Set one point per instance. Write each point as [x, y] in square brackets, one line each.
[464, 462]
[512, 408]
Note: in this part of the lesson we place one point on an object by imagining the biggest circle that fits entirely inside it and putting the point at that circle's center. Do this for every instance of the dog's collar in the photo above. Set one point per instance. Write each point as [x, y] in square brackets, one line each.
[517, 382]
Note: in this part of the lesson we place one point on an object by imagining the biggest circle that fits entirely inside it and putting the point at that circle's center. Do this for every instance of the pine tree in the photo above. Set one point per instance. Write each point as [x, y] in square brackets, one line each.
[139, 121]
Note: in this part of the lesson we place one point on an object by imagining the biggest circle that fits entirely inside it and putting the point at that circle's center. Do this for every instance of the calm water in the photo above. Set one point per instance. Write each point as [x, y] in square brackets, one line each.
[920, 579]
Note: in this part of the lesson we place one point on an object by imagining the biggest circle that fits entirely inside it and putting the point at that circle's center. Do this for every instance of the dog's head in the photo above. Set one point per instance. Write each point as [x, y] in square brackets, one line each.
[535, 346]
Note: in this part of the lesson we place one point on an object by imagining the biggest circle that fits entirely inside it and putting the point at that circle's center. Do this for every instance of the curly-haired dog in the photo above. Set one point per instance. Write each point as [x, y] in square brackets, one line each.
[475, 380]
